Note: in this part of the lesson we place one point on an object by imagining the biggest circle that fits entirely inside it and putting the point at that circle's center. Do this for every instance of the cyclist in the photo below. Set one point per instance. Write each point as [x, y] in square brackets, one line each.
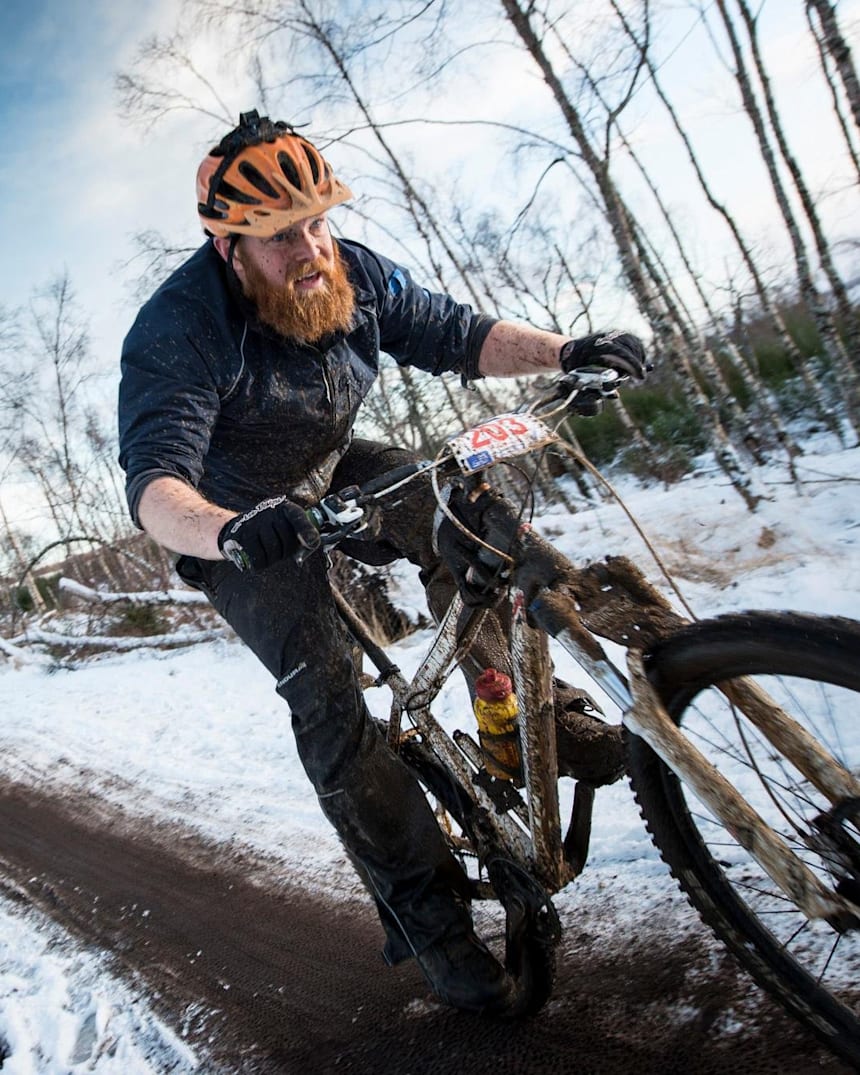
[241, 379]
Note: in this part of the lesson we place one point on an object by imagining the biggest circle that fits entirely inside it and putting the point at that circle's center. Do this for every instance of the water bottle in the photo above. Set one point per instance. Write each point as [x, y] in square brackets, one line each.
[496, 713]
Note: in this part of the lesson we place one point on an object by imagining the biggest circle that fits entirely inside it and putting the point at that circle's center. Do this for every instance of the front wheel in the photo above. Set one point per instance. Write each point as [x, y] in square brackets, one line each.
[811, 667]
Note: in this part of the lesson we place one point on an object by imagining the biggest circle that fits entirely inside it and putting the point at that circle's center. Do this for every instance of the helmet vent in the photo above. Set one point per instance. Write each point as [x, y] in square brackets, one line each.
[312, 161]
[227, 190]
[289, 169]
[256, 178]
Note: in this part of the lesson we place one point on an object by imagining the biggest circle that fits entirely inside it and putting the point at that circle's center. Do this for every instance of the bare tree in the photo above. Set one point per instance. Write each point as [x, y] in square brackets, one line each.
[834, 42]
[832, 78]
[762, 293]
[60, 440]
[846, 376]
[637, 274]
[837, 286]
[672, 297]
[154, 260]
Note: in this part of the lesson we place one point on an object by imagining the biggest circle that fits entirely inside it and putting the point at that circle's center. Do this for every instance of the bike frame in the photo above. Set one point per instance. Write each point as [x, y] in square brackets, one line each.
[526, 826]
[529, 829]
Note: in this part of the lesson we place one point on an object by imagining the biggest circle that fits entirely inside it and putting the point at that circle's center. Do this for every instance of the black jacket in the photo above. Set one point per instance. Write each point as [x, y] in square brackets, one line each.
[211, 396]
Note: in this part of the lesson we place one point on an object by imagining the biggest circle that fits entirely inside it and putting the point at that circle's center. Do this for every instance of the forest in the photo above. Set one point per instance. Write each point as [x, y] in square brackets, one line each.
[551, 207]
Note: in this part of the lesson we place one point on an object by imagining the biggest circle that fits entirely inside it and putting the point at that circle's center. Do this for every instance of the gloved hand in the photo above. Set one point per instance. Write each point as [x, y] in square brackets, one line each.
[272, 531]
[614, 350]
[476, 571]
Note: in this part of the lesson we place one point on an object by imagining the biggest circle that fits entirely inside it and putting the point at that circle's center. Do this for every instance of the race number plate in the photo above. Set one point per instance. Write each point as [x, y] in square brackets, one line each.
[501, 438]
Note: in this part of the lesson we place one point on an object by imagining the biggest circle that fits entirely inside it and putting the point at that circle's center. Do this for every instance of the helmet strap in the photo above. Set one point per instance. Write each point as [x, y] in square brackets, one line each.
[232, 275]
[231, 249]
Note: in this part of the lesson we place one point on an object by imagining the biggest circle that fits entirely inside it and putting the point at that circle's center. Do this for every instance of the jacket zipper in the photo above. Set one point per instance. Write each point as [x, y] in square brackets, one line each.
[329, 391]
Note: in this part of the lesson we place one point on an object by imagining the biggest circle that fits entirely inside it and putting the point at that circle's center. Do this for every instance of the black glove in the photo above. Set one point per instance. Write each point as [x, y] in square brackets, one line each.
[614, 350]
[272, 531]
[477, 572]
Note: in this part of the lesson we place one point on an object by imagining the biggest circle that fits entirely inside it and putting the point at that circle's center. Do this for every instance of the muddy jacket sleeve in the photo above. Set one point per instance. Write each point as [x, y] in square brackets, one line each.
[417, 327]
[169, 402]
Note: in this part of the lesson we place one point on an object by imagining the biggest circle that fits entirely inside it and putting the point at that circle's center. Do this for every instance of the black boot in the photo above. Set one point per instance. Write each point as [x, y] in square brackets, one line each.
[463, 972]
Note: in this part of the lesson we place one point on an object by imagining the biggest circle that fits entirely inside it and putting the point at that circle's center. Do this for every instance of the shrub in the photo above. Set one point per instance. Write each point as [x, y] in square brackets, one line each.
[669, 423]
[141, 620]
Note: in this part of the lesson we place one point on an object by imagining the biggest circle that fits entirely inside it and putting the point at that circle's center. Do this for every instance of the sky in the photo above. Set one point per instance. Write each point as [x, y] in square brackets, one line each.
[71, 170]
[229, 769]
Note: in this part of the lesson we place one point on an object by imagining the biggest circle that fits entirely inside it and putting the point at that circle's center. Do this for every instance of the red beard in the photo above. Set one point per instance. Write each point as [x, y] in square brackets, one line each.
[303, 316]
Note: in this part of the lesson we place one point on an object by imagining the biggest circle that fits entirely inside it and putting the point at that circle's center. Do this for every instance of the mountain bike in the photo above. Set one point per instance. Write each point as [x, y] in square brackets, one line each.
[742, 733]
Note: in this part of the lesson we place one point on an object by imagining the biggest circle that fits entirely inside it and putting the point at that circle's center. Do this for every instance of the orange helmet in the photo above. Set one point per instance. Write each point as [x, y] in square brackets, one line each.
[261, 178]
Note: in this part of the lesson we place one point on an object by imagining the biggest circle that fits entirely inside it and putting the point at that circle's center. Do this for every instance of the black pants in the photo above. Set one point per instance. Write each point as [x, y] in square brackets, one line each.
[286, 615]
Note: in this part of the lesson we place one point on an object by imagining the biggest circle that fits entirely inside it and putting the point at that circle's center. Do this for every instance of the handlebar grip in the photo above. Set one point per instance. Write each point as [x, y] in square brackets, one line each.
[315, 516]
[392, 477]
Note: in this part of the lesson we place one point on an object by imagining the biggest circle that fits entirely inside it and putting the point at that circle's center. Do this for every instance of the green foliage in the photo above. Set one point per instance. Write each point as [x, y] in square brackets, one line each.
[47, 586]
[670, 425]
[667, 419]
[141, 620]
[601, 437]
[802, 329]
[773, 363]
[22, 599]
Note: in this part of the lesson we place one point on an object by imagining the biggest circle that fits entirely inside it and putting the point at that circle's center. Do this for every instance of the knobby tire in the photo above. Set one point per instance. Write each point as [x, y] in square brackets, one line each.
[818, 662]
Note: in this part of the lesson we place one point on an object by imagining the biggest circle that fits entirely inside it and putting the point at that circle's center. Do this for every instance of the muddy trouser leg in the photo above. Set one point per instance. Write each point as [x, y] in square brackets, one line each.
[287, 617]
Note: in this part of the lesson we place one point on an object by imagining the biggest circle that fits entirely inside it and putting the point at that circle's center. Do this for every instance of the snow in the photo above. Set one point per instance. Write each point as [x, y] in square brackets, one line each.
[60, 1013]
[198, 736]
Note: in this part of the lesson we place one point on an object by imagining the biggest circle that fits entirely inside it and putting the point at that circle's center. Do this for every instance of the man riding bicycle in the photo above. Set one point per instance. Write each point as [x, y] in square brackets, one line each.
[241, 380]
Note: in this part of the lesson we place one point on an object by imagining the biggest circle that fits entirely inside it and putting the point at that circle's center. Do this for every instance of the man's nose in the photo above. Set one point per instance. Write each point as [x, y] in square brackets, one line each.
[307, 246]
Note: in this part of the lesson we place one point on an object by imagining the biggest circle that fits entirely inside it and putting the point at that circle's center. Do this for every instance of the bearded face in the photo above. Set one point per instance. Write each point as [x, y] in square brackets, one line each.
[303, 301]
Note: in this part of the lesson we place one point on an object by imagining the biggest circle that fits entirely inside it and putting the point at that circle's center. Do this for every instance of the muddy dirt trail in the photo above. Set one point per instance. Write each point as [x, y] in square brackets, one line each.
[262, 978]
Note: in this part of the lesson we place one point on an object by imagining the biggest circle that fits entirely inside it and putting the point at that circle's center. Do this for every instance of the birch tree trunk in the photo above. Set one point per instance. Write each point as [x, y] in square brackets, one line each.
[846, 377]
[619, 219]
[837, 287]
[813, 387]
[838, 48]
[825, 56]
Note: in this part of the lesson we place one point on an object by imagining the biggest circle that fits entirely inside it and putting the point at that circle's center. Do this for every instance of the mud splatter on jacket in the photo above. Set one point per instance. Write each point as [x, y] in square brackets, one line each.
[212, 397]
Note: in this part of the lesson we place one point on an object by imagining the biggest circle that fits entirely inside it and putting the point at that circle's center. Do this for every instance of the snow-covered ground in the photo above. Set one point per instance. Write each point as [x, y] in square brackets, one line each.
[199, 736]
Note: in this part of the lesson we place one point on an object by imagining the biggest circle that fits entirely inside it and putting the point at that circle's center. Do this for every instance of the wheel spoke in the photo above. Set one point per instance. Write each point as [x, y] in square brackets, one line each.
[811, 669]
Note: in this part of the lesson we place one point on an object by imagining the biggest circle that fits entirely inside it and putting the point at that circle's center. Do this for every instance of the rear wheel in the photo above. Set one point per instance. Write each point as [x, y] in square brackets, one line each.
[811, 667]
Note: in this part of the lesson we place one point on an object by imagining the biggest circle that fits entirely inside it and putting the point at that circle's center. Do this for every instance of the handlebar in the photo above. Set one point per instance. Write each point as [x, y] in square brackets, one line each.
[342, 514]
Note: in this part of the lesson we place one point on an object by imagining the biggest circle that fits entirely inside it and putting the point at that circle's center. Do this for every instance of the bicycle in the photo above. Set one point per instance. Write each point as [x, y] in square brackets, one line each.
[769, 858]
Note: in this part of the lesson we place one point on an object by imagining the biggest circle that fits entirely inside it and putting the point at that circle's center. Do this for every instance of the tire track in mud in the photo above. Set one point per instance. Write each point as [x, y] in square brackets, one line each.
[261, 977]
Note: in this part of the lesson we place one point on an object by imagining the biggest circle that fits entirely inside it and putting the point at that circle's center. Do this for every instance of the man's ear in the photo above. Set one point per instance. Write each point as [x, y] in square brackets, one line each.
[222, 245]
[226, 245]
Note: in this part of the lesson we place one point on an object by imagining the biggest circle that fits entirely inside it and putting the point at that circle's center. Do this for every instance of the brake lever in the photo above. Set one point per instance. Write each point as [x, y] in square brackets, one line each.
[599, 379]
[584, 390]
[336, 516]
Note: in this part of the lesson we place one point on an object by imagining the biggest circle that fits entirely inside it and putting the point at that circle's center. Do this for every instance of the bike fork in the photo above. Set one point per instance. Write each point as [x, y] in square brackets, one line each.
[645, 716]
[648, 718]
